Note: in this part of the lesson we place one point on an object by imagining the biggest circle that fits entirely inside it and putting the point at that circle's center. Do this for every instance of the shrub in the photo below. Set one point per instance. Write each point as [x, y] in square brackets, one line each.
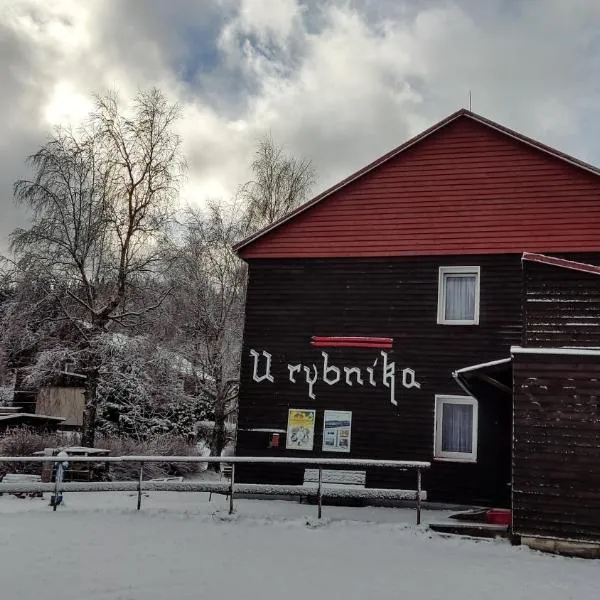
[23, 441]
[158, 445]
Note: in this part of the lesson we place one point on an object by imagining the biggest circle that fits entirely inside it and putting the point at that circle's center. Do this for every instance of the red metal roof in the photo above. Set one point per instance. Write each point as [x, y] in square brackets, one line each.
[467, 185]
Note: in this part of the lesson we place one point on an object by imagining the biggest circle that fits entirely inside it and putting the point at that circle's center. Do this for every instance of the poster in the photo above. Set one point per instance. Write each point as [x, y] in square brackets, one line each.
[337, 425]
[300, 429]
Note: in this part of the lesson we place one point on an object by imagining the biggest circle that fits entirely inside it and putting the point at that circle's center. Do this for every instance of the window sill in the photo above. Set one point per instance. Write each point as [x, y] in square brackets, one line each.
[459, 459]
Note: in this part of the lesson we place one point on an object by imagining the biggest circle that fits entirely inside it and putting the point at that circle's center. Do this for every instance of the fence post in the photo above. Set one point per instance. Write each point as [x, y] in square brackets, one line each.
[418, 496]
[56, 481]
[139, 502]
[319, 493]
[231, 489]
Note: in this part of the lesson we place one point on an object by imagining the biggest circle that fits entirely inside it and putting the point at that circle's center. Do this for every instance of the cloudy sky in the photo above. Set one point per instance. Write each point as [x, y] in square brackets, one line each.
[336, 81]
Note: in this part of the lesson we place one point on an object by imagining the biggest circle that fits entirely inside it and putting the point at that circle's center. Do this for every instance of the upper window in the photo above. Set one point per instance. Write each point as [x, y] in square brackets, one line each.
[458, 296]
[456, 428]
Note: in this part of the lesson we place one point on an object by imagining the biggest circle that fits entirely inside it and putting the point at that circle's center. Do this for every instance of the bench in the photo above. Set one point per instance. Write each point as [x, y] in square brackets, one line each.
[22, 478]
[336, 477]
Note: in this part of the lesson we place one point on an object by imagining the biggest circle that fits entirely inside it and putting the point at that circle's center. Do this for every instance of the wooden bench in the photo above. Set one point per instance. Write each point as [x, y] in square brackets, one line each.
[336, 477]
[22, 478]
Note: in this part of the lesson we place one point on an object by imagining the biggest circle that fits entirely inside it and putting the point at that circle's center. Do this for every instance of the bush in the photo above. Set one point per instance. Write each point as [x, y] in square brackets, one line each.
[23, 441]
[159, 445]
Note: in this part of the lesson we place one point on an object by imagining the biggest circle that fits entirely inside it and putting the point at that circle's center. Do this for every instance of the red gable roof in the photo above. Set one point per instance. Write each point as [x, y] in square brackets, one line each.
[467, 185]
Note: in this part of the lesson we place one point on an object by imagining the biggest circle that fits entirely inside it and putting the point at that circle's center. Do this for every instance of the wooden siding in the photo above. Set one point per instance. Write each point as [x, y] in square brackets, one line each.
[556, 463]
[465, 189]
[289, 301]
[67, 402]
[561, 306]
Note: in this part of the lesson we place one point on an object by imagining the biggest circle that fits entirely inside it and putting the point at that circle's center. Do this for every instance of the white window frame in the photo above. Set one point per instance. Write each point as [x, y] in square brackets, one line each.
[443, 271]
[438, 453]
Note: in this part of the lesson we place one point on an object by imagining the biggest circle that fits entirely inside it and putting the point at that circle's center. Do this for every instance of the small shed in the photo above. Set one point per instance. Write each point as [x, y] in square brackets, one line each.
[62, 401]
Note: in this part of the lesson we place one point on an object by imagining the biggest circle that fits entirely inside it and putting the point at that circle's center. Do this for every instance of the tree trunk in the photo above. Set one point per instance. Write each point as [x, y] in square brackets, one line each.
[218, 439]
[88, 429]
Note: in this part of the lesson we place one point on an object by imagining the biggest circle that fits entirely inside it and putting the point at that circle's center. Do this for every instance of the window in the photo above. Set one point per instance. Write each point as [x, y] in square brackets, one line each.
[455, 428]
[458, 296]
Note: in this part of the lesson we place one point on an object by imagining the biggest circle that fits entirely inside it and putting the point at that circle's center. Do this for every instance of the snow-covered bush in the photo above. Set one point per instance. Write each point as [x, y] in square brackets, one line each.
[23, 441]
[145, 390]
[158, 445]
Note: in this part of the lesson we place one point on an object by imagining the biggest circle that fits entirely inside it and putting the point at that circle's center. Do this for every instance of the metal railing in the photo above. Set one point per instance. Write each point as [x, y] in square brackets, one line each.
[231, 488]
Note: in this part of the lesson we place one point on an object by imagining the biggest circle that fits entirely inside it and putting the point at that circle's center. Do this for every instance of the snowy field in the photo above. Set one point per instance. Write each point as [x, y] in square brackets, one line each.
[180, 546]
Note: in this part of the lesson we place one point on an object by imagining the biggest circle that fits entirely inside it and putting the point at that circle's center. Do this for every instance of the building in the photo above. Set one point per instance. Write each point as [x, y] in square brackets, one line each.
[62, 396]
[363, 302]
[556, 373]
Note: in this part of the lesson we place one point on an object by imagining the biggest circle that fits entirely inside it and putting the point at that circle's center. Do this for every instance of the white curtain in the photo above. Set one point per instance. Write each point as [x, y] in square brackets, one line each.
[460, 297]
[457, 428]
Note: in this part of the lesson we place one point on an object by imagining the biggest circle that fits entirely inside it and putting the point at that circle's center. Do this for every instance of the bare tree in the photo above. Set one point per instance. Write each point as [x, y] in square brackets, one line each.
[279, 184]
[205, 312]
[102, 199]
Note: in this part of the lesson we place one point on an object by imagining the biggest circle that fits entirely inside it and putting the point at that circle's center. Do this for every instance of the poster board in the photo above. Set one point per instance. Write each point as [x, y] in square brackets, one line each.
[300, 429]
[337, 428]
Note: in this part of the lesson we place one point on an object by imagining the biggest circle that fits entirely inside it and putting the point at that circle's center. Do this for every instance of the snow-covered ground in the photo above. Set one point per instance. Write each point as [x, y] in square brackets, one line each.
[180, 546]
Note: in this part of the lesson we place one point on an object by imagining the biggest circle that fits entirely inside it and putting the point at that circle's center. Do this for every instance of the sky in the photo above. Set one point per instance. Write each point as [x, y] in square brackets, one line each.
[338, 82]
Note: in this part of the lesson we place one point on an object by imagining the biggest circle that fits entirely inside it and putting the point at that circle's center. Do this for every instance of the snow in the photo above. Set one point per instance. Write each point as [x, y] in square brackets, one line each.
[591, 351]
[181, 546]
[492, 363]
[281, 460]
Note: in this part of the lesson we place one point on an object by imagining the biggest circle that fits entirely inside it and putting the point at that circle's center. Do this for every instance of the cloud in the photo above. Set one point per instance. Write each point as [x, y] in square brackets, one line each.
[339, 82]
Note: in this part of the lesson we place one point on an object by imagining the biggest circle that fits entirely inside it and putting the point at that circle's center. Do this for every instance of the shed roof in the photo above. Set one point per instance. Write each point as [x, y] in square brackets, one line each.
[561, 262]
[31, 417]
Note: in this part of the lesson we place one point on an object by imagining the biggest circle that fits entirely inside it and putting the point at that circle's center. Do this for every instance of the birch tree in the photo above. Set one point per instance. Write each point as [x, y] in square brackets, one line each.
[205, 313]
[101, 199]
[279, 184]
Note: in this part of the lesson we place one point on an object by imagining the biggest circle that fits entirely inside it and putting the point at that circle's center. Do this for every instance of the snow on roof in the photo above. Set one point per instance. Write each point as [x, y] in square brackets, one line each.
[9, 409]
[492, 363]
[30, 416]
[592, 351]
[561, 262]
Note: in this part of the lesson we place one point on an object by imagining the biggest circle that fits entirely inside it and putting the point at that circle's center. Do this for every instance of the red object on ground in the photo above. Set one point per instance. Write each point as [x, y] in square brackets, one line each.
[499, 516]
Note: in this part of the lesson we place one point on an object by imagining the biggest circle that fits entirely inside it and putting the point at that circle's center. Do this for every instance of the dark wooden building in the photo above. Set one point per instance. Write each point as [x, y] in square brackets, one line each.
[556, 452]
[363, 302]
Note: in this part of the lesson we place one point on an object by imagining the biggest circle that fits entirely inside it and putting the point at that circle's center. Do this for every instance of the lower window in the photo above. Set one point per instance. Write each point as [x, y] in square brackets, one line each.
[456, 428]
